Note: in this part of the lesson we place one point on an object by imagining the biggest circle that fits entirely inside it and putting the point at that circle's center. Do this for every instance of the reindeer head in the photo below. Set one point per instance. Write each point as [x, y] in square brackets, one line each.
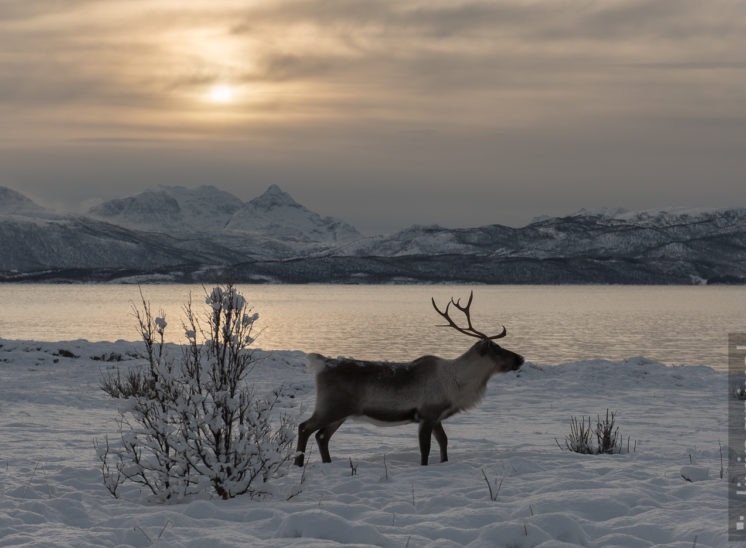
[503, 360]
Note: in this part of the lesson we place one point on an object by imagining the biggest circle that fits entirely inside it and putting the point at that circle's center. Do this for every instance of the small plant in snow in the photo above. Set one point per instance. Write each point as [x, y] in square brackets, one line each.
[494, 493]
[134, 382]
[192, 424]
[605, 433]
[607, 436]
[579, 440]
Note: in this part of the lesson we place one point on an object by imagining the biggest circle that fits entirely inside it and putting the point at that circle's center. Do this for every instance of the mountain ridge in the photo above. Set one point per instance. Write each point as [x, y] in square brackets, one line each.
[207, 209]
[274, 238]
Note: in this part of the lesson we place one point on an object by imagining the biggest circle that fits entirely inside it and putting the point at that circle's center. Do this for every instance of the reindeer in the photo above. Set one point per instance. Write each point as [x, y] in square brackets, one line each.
[427, 390]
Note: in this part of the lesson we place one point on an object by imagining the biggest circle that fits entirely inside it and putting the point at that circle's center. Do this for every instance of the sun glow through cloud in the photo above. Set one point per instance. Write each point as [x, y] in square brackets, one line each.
[221, 94]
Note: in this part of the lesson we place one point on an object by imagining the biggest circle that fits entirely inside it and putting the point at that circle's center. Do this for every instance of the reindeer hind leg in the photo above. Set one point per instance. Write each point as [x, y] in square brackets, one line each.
[442, 439]
[323, 436]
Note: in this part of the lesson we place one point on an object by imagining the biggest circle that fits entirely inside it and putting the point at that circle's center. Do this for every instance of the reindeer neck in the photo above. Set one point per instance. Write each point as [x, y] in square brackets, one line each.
[471, 370]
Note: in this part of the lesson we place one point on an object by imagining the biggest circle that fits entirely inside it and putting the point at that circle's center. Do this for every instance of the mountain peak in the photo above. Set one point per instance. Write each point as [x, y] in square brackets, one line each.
[275, 213]
[13, 202]
[273, 197]
[8, 195]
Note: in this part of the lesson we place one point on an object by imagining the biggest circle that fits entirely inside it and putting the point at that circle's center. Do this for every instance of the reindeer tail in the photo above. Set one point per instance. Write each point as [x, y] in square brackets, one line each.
[315, 363]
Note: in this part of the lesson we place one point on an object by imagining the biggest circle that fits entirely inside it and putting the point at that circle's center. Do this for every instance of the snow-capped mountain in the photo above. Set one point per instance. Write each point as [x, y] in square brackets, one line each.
[171, 208]
[204, 234]
[163, 227]
[35, 244]
[206, 209]
[657, 246]
[276, 213]
[672, 234]
[657, 216]
[15, 203]
[33, 238]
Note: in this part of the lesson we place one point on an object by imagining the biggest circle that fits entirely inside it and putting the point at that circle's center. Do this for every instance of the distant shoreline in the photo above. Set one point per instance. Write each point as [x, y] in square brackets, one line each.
[405, 270]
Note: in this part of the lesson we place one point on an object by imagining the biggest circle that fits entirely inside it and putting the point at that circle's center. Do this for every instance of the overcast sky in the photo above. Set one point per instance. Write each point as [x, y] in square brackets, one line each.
[381, 112]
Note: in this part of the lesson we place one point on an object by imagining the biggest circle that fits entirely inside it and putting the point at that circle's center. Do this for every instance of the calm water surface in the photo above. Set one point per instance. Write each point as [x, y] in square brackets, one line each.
[547, 324]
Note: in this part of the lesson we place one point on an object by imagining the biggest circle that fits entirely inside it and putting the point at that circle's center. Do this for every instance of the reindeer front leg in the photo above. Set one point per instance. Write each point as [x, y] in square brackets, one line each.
[426, 430]
[305, 429]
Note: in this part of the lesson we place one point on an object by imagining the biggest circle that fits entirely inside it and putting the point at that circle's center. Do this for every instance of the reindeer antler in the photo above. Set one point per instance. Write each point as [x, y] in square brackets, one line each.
[469, 330]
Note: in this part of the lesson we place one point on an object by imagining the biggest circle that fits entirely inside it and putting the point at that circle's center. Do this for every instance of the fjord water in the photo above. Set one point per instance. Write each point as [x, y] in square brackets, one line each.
[547, 324]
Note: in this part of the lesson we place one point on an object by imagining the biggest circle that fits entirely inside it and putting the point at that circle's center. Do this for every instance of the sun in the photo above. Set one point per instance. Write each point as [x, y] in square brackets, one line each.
[221, 94]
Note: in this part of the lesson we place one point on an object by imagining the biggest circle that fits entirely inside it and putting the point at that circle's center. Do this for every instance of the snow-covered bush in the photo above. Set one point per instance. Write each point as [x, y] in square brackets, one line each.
[196, 425]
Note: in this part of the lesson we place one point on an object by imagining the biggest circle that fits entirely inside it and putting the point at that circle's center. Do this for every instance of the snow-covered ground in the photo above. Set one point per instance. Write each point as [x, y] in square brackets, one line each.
[51, 493]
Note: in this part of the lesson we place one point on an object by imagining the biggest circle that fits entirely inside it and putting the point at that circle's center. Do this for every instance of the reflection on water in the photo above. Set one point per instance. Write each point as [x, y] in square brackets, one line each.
[547, 324]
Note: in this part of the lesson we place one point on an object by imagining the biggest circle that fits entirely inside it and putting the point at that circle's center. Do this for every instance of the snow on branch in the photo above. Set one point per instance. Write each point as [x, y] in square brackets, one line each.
[191, 424]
